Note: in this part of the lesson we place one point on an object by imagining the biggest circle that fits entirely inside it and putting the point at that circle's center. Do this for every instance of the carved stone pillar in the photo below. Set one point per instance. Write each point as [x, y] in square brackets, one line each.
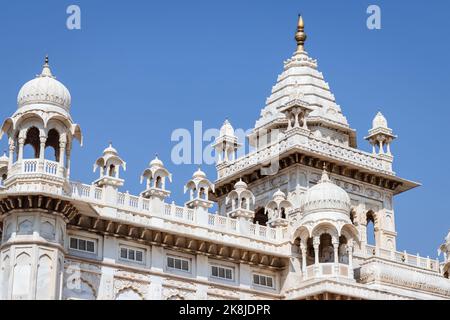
[21, 142]
[316, 243]
[303, 248]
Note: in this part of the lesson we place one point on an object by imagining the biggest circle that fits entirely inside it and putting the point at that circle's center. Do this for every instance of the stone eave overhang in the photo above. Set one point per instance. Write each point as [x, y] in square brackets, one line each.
[154, 229]
[298, 155]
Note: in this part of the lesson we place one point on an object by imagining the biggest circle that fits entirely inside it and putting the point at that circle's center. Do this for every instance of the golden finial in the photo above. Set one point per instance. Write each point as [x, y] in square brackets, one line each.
[300, 36]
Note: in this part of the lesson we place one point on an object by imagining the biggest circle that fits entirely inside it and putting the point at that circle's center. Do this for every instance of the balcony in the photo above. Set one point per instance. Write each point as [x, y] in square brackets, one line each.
[35, 166]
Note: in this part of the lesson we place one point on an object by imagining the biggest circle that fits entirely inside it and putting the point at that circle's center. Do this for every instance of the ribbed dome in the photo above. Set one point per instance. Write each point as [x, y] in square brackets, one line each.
[326, 196]
[44, 89]
[240, 185]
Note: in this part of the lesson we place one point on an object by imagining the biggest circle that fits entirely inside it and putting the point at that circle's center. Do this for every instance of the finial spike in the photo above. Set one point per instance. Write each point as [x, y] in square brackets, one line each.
[325, 176]
[300, 36]
[46, 72]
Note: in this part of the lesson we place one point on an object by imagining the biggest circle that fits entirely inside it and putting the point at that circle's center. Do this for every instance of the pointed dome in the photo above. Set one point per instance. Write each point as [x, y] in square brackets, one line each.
[156, 162]
[199, 174]
[110, 150]
[227, 129]
[279, 195]
[240, 185]
[379, 121]
[326, 196]
[44, 89]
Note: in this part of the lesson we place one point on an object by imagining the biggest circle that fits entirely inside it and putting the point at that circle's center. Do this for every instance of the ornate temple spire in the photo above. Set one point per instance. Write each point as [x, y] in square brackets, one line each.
[300, 36]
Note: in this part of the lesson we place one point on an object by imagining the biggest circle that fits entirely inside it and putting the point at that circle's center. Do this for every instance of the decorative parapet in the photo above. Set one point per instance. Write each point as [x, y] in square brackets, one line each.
[137, 204]
[382, 272]
[309, 144]
[403, 258]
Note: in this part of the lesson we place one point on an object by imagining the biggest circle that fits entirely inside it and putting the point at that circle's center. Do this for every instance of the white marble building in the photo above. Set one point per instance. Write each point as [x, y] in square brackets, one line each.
[292, 216]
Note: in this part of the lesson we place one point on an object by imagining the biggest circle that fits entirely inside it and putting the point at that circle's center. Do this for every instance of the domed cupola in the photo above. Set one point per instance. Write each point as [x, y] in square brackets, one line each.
[44, 90]
[326, 196]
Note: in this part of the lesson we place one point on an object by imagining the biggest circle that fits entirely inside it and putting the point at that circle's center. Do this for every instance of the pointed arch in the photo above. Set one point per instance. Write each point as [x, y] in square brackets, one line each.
[129, 293]
[43, 278]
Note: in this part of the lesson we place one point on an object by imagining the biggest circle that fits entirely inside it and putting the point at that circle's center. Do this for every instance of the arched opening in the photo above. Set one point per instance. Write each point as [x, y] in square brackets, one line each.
[326, 252]
[112, 171]
[202, 193]
[370, 227]
[244, 203]
[342, 251]
[158, 182]
[283, 213]
[296, 246]
[309, 252]
[260, 217]
[31, 147]
[236, 203]
[52, 146]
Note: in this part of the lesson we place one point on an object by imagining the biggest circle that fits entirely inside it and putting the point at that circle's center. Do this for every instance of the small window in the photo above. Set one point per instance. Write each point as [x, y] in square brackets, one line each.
[263, 281]
[222, 272]
[131, 254]
[178, 263]
[82, 245]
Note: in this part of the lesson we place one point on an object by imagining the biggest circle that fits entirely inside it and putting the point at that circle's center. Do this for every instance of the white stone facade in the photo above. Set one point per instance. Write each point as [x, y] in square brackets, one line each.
[292, 216]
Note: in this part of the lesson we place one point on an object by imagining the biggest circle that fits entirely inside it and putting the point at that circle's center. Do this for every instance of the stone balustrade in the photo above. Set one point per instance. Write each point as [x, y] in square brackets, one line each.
[403, 258]
[33, 166]
[312, 144]
[130, 203]
[328, 270]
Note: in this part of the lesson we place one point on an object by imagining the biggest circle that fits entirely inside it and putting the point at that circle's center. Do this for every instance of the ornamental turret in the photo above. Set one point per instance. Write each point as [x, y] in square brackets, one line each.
[199, 187]
[241, 202]
[41, 134]
[381, 136]
[226, 144]
[155, 178]
[109, 165]
[277, 208]
[41, 122]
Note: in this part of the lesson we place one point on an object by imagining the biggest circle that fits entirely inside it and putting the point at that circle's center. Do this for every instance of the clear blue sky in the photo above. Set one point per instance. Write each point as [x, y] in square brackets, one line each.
[140, 69]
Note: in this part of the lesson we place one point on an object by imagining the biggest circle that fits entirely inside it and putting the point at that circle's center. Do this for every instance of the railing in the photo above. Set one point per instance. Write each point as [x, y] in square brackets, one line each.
[33, 166]
[223, 223]
[328, 270]
[314, 144]
[30, 166]
[84, 191]
[181, 214]
[403, 258]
